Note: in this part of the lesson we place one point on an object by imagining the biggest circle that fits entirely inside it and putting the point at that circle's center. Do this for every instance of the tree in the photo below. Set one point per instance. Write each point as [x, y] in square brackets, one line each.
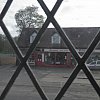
[1, 42]
[29, 18]
[5, 46]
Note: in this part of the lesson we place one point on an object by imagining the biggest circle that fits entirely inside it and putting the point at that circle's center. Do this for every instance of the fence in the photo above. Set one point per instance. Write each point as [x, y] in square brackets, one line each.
[7, 59]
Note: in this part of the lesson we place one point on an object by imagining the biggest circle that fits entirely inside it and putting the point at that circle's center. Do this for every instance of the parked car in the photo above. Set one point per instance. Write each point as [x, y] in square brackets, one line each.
[94, 65]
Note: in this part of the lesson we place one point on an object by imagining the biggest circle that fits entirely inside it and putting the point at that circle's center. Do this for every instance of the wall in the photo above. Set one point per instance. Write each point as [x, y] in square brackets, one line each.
[5, 59]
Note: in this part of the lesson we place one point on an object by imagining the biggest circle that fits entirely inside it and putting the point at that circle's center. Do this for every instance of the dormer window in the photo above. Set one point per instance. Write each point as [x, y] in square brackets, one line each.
[55, 39]
[32, 37]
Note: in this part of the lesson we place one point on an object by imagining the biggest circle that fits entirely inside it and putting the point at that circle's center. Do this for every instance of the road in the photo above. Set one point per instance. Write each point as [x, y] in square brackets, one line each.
[51, 80]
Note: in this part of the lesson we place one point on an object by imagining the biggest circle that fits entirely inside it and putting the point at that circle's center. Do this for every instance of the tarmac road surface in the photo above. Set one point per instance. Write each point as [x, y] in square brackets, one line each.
[51, 81]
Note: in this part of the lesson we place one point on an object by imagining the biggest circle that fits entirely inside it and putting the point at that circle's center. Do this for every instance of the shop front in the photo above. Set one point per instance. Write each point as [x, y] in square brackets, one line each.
[53, 58]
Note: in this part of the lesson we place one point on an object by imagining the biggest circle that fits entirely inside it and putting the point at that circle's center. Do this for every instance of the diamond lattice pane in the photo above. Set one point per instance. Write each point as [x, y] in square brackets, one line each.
[80, 89]
[78, 13]
[68, 43]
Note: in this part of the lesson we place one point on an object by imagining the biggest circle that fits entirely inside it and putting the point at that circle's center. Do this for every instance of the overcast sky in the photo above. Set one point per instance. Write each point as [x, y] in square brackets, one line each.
[72, 13]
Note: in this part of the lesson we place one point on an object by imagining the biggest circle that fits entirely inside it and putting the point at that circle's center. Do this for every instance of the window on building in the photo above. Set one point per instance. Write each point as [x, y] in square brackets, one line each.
[32, 37]
[55, 39]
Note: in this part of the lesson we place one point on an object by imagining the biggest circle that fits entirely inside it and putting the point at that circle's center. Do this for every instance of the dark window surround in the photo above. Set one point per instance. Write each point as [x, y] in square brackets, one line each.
[23, 59]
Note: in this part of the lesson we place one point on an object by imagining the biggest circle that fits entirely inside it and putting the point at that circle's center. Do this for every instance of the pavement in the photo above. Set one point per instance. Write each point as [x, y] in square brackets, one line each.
[51, 81]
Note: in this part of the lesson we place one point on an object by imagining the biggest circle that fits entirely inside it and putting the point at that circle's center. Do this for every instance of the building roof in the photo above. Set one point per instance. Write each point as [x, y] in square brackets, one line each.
[81, 37]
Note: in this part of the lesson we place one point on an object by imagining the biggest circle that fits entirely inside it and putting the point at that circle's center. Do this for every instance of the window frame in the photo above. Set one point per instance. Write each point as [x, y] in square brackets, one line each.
[23, 59]
[32, 37]
[55, 38]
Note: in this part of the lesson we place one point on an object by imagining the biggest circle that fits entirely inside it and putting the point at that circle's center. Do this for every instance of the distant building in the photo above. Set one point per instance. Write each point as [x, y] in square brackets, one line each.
[52, 51]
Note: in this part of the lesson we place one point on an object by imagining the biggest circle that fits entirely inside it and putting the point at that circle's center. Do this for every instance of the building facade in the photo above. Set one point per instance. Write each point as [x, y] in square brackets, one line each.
[52, 51]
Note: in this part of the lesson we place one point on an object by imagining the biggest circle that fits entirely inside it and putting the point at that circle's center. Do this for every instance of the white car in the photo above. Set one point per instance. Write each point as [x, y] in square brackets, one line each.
[94, 65]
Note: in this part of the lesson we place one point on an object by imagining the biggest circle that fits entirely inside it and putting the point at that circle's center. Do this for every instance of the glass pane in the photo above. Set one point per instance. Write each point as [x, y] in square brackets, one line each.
[79, 13]
[98, 62]
[50, 4]
[20, 16]
[81, 88]
[93, 63]
[2, 4]
[23, 88]
[49, 56]
[21, 20]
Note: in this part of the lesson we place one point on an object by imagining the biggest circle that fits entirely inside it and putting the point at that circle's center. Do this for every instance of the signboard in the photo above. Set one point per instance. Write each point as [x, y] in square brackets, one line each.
[67, 50]
[56, 50]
